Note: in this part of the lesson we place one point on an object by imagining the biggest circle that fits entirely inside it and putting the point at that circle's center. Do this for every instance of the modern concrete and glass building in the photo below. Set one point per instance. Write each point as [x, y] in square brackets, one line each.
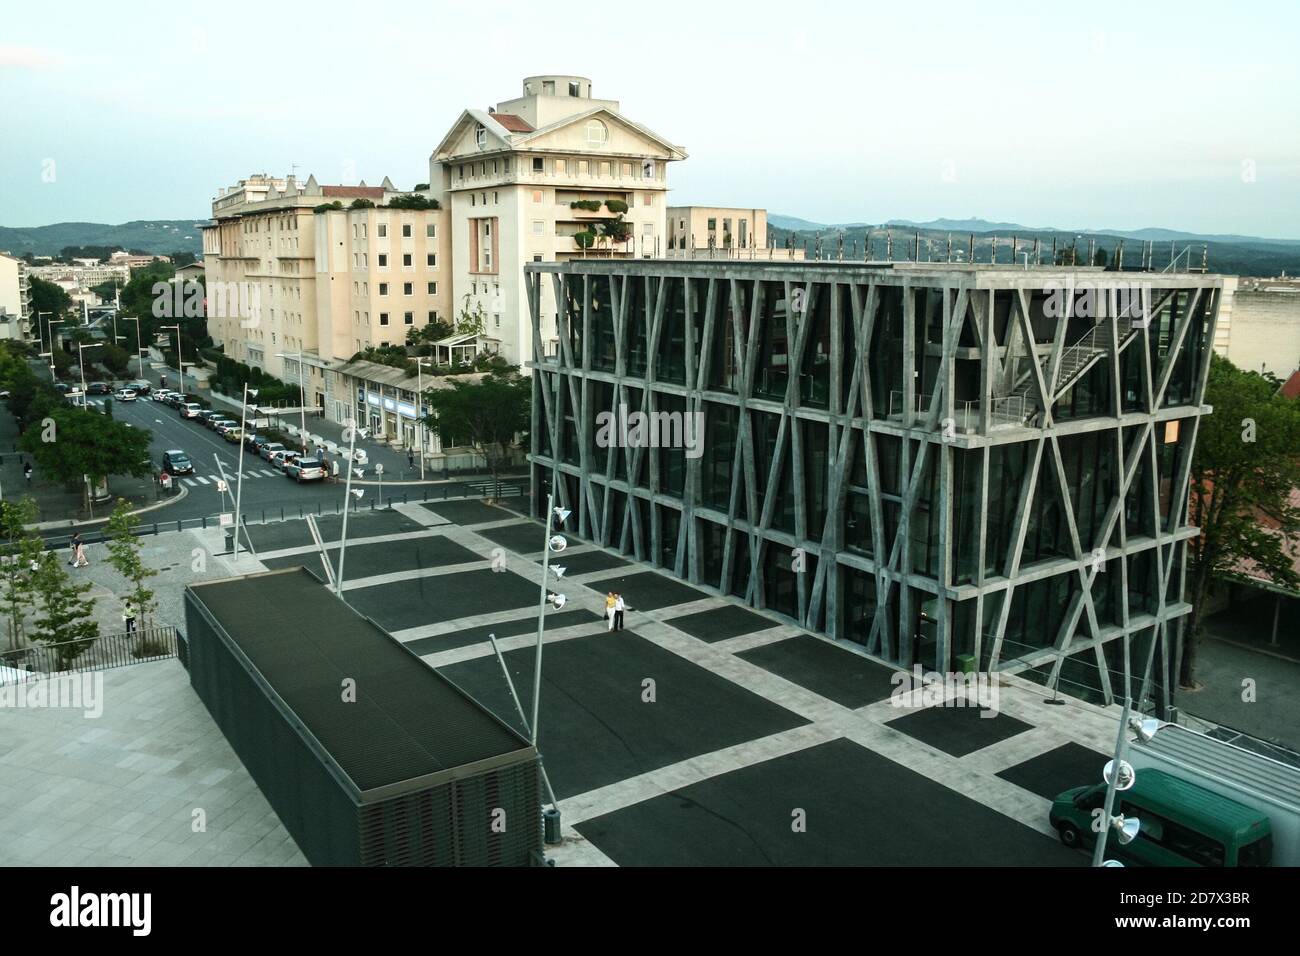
[952, 466]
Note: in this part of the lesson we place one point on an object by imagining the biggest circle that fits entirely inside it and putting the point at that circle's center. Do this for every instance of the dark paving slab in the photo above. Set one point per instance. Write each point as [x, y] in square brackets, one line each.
[295, 533]
[467, 512]
[524, 625]
[589, 561]
[958, 730]
[595, 727]
[721, 623]
[648, 591]
[526, 537]
[1056, 771]
[443, 597]
[825, 669]
[861, 810]
[388, 557]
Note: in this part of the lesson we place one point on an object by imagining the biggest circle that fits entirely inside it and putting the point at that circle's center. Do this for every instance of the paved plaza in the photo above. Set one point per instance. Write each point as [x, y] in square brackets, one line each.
[704, 733]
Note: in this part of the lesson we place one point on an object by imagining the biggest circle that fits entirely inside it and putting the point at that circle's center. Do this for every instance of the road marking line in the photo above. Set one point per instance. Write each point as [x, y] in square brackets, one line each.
[201, 478]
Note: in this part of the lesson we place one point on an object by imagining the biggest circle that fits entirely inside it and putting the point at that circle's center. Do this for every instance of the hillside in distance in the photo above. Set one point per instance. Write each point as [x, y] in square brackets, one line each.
[157, 236]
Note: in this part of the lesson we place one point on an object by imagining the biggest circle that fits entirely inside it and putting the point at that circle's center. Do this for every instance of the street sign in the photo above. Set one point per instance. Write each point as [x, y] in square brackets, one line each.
[226, 519]
[379, 469]
[221, 485]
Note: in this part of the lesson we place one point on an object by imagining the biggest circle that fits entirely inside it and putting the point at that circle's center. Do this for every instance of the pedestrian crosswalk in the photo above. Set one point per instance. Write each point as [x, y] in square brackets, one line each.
[198, 481]
[501, 489]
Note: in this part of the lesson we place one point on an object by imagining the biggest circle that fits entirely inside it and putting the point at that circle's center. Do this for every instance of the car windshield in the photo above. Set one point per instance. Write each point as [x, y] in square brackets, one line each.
[180, 460]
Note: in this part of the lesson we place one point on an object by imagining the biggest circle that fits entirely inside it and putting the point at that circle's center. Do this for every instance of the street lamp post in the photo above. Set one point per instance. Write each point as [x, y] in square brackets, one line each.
[81, 360]
[180, 362]
[39, 334]
[50, 354]
[419, 409]
[239, 486]
[347, 501]
[1120, 775]
[139, 344]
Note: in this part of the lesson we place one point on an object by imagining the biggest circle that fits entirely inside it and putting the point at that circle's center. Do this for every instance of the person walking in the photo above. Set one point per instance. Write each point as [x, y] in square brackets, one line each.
[128, 615]
[73, 543]
[27, 472]
[619, 608]
[410, 457]
[81, 561]
[610, 602]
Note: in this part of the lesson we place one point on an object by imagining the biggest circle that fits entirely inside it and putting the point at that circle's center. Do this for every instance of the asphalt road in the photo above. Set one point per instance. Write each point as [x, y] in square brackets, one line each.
[264, 488]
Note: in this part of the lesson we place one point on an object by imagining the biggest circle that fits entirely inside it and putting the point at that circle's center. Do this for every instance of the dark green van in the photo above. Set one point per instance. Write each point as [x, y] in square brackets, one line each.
[1182, 824]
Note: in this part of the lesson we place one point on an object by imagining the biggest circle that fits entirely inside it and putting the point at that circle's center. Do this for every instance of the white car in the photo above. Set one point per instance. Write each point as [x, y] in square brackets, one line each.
[125, 395]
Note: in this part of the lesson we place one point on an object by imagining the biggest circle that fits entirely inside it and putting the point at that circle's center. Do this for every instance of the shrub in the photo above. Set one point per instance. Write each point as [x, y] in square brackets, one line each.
[361, 204]
[409, 201]
[327, 206]
[616, 206]
[585, 239]
[590, 205]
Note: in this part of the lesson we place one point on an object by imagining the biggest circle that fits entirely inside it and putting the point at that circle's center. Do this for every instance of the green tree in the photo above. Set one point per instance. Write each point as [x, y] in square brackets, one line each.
[490, 413]
[471, 322]
[65, 622]
[362, 204]
[124, 555]
[85, 443]
[22, 551]
[116, 359]
[411, 201]
[49, 298]
[1244, 475]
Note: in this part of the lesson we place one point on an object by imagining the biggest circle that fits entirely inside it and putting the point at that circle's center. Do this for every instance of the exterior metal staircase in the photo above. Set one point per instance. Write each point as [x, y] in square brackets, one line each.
[1076, 360]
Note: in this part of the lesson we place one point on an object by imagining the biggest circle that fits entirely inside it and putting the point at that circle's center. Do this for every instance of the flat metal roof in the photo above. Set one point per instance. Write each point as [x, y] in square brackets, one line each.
[1227, 763]
[409, 727]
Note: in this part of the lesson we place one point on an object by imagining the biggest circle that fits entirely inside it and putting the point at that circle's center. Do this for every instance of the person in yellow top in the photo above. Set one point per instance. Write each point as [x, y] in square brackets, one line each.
[610, 601]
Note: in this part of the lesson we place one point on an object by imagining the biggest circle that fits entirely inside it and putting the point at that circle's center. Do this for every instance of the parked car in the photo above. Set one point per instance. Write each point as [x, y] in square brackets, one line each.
[303, 469]
[98, 388]
[141, 387]
[270, 448]
[222, 425]
[233, 435]
[62, 388]
[160, 395]
[125, 394]
[206, 416]
[191, 410]
[176, 462]
[282, 457]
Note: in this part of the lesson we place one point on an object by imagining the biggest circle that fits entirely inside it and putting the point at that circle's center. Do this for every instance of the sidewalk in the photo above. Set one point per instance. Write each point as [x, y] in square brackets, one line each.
[54, 501]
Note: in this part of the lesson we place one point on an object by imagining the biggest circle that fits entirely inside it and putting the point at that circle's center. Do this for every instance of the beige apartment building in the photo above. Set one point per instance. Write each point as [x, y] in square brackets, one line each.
[721, 227]
[1259, 324]
[295, 291]
[511, 178]
[15, 298]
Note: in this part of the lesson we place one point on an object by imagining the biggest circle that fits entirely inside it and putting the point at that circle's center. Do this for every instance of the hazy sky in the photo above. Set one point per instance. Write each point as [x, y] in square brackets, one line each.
[1121, 115]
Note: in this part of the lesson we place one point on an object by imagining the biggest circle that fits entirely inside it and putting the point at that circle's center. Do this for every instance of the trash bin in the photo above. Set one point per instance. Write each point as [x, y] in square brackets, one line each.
[230, 538]
[551, 825]
[965, 663]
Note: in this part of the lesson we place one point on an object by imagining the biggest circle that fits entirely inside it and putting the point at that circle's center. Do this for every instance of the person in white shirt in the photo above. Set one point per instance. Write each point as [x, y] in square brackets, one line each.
[619, 608]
